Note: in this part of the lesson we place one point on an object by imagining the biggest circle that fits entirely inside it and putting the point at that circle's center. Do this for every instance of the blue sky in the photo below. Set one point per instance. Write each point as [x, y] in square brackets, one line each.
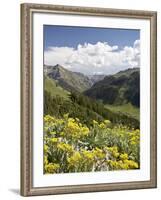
[91, 50]
[72, 36]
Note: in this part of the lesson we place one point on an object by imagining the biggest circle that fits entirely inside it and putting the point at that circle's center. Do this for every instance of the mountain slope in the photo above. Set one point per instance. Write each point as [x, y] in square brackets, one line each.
[71, 81]
[121, 88]
[54, 89]
[85, 109]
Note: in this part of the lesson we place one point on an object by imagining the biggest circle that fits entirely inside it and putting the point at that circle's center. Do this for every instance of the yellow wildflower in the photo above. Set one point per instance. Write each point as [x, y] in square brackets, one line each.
[124, 156]
[74, 159]
[52, 167]
[98, 153]
[46, 148]
[88, 155]
[54, 140]
[65, 147]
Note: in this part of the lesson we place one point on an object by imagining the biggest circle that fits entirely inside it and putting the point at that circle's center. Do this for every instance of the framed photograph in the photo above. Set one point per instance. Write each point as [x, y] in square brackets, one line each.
[88, 99]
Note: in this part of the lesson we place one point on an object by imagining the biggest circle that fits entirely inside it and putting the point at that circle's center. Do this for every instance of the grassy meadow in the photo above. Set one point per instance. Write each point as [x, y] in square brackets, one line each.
[127, 109]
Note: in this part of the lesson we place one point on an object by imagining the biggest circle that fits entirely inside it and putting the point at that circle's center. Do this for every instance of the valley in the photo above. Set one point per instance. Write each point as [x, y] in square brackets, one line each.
[74, 93]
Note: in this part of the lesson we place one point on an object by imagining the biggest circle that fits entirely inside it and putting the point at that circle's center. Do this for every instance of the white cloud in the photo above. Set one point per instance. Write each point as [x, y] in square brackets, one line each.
[94, 58]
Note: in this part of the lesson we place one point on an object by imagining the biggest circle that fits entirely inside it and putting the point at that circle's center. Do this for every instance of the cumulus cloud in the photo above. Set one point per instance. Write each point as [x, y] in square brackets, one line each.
[94, 58]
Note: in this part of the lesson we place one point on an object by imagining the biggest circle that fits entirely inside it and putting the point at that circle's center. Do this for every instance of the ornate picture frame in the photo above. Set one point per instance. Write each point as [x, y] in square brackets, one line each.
[28, 188]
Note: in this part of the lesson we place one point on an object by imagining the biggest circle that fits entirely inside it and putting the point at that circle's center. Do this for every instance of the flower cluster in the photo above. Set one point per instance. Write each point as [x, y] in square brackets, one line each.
[70, 146]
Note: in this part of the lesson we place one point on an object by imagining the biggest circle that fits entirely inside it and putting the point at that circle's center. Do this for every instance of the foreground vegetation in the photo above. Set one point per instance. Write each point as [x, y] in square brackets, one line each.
[70, 146]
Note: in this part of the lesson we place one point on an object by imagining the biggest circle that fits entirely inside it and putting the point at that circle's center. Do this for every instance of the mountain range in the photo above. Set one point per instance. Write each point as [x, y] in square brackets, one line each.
[120, 88]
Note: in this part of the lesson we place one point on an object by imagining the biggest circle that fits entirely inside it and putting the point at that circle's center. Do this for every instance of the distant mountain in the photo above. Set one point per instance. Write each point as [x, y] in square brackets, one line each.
[71, 81]
[127, 72]
[119, 88]
[96, 77]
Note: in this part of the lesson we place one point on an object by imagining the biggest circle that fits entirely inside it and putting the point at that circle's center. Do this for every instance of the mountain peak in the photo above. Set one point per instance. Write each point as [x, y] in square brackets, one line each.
[58, 66]
[69, 80]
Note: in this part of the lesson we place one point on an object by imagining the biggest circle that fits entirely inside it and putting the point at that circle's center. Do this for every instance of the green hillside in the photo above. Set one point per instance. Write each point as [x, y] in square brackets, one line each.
[118, 89]
[126, 72]
[86, 109]
[54, 89]
[127, 109]
[110, 98]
